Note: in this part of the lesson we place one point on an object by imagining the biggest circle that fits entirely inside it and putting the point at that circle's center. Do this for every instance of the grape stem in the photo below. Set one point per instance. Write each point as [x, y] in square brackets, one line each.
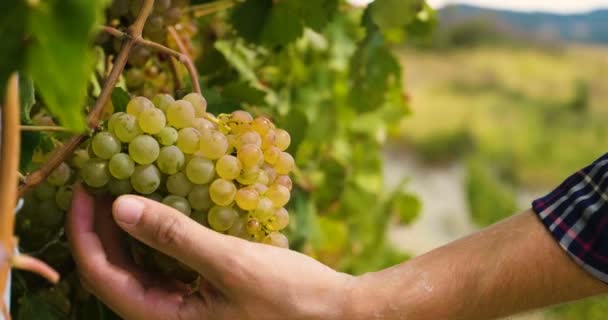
[9, 165]
[183, 57]
[44, 128]
[212, 7]
[62, 153]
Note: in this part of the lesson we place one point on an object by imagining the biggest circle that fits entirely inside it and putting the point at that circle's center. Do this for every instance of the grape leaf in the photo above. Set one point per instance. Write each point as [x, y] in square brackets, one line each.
[315, 14]
[248, 18]
[243, 92]
[120, 99]
[60, 59]
[389, 14]
[406, 206]
[297, 124]
[27, 97]
[13, 21]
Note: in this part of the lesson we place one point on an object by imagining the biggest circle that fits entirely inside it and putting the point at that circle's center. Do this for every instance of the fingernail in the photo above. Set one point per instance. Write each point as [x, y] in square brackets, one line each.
[128, 210]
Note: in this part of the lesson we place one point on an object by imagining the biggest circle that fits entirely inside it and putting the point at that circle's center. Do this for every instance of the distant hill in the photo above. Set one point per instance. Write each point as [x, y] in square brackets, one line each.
[591, 27]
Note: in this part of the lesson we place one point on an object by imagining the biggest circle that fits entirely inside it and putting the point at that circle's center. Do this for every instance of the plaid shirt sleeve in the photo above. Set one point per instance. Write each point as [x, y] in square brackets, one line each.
[576, 214]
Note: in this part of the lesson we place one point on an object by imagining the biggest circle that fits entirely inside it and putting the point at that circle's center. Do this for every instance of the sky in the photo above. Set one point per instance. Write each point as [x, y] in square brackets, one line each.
[558, 6]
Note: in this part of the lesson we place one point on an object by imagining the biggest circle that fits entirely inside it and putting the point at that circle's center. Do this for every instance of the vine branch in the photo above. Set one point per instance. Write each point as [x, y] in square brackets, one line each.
[44, 128]
[134, 31]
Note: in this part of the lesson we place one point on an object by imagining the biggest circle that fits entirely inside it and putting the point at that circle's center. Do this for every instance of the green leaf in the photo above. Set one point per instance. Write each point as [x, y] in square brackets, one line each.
[13, 21]
[120, 99]
[60, 59]
[34, 307]
[243, 92]
[248, 19]
[315, 14]
[297, 123]
[27, 97]
[389, 14]
[406, 206]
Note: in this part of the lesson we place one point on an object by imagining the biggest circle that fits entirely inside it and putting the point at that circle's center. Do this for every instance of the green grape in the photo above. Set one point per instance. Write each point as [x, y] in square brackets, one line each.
[213, 144]
[60, 175]
[126, 128]
[278, 194]
[200, 170]
[249, 137]
[261, 125]
[249, 176]
[247, 198]
[151, 121]
[144, 149]
[180, 114]
[250, 155]
[270, 172]
[178, 203]
[178, 184]
[263, 178]
[198, 103]
[138, 105]
[228, 167]
[119, 187]
[155, 196]
[239, 229]
[167, 136]
[135, 77]
[240, 116]
[105, 145]
[162, 101]
[79, 158]
[284, 164]
[201, 217]
[264, 209]
[271, 155]
[282, 139]
[146, 179]
[51, 216]
[170, 160]
[95, 173]
[45, 191]
[173, 15]
[202, 125]
[221, 218]
[121, 166]
[113, 120]
[285, 181]
[279, 220]
[253, 226]
[277, 239]
[63, 197]
[222, 192]
[139, 56]
[199, 197]
[260, 188]
[188, 140]
[268, 139]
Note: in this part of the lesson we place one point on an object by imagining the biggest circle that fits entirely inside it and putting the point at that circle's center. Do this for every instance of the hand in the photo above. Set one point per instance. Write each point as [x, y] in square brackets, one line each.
[239, 279]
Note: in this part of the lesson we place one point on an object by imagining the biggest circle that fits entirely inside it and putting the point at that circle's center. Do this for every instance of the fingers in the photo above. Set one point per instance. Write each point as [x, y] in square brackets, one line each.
[120, 288]
[170, 231]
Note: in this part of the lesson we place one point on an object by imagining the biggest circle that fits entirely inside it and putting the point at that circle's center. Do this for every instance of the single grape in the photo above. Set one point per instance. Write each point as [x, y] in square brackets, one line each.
[155, 196]
[173, 15]
[79, 158]
[63, 197]
[95, 173]
[278, 194]
[249, 175]
[199, 197]
[279, 220]
[167, 136]
[239, 229]
[51, 216]
[170, 160]
[119, 187]
[198, 102]
[178, 184]
[202, 125]
[241, 116]
[139, 56]
[247, 198]
[162, 101]
[285, 181]
[265, 209]
[222, 192]
[61, 175]
[188, 140]
[213, 144]
[180, 114]
[249, 137]
[135, 77]
[113, 120]
[121, 166]
[261, 125]
[144, 149]
[200, 170]
[270, 172]
[201, 217]
[178, 203]
[105, 145]
[228, 167]
[250, 155]
[151, 121]
[260, 188]
[263, 178]
[146, 179]
[45, 191]
[221, 218]
[284, 164]
[253, 226]
[271, 155]
[138, 105]
[126, 128]
[268, 140]
[282, 139]
[277, 239]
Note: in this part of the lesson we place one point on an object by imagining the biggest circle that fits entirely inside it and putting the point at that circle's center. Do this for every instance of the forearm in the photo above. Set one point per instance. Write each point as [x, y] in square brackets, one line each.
[505, 269]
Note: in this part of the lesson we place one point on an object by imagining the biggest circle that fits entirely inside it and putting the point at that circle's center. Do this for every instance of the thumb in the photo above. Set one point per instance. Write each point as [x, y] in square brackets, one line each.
[173, 233]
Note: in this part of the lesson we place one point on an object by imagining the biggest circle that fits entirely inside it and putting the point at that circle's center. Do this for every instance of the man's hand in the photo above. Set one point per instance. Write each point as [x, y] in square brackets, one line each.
[240, 279]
